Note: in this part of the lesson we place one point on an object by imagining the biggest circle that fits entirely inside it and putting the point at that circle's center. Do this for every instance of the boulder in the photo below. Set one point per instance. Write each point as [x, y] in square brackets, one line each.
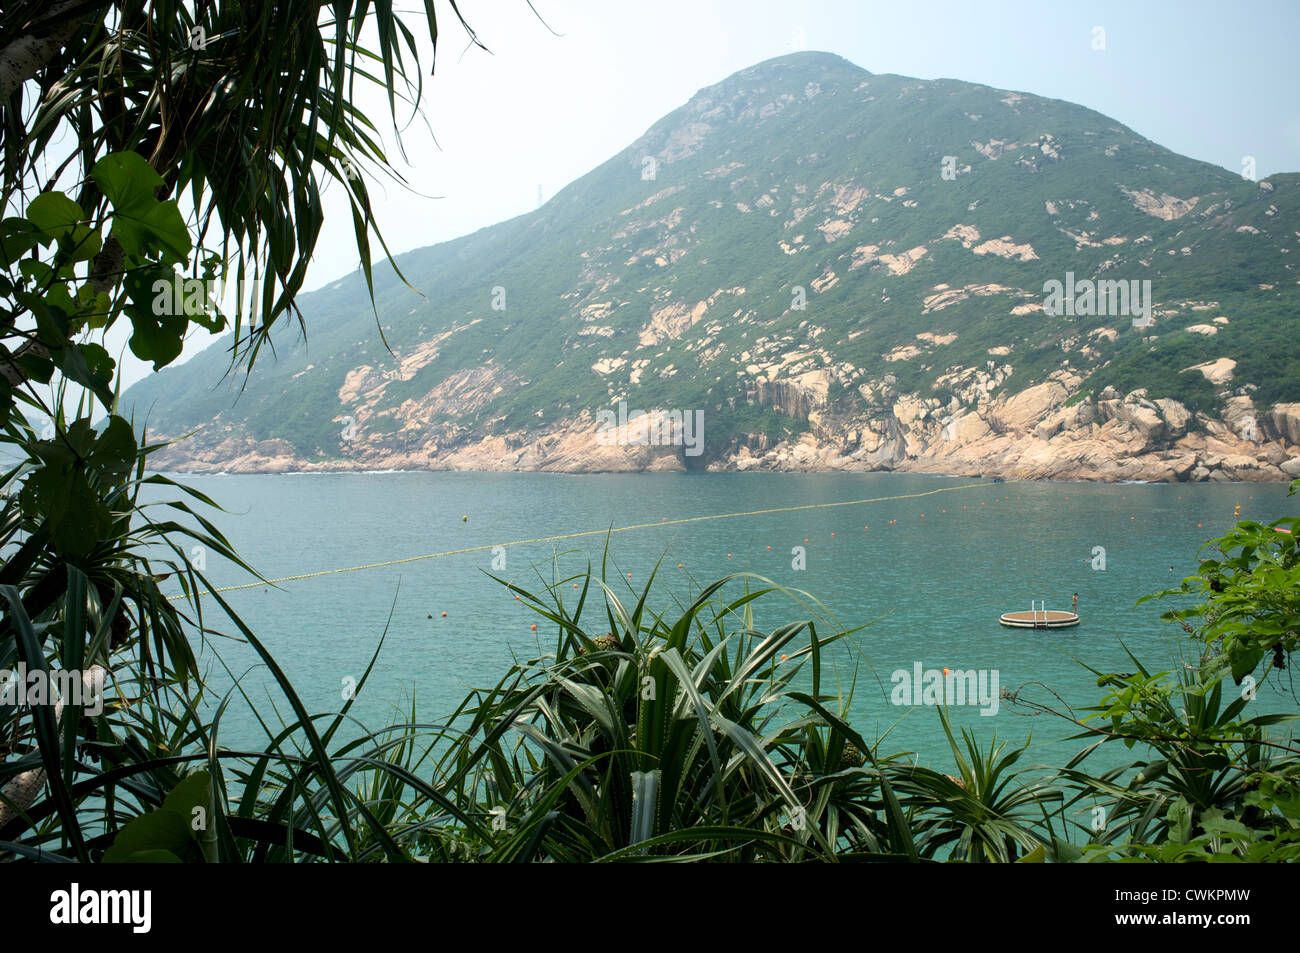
[1023, 412]
[1176, 416]
[1286, 420]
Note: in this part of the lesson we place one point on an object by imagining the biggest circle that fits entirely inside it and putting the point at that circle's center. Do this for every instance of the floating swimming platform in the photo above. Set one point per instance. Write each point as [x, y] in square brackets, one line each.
[1040, 617]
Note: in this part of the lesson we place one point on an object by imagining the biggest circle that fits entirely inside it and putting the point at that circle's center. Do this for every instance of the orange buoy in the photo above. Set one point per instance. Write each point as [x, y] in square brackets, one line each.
[534, 627]
[1198, 525]
[575, 585]
[679, 565]
[769, 549]
[832, 534]
[805, 540]
[629, 575]
[444, 615]
[728, 555]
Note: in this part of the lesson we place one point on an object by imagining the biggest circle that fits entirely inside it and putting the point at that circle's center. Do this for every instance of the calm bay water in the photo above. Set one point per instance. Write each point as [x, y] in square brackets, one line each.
[931, 574]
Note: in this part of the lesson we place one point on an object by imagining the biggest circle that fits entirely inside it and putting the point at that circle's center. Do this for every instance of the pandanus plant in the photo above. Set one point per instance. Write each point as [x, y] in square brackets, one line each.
[687, 736]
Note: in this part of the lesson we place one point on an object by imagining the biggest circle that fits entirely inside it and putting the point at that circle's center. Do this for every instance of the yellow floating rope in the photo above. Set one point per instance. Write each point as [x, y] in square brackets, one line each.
[591, 532]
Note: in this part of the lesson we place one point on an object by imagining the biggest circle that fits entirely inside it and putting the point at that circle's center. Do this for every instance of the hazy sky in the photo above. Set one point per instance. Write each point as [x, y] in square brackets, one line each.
[1212, 80]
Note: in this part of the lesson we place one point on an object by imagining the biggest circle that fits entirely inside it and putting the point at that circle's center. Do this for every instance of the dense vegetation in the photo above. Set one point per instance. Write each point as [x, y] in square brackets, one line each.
[683, 732]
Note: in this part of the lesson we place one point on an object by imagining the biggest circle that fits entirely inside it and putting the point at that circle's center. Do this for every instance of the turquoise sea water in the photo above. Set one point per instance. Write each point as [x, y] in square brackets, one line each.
[931, 574]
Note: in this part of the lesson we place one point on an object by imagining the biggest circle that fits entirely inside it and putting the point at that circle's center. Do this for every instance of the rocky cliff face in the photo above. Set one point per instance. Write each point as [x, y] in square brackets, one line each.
[1034, 434]
[836, 270]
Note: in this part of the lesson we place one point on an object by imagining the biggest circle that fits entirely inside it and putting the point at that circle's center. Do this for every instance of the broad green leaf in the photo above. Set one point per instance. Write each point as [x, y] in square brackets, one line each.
[90, 366]
[140, 221]
[60, 218]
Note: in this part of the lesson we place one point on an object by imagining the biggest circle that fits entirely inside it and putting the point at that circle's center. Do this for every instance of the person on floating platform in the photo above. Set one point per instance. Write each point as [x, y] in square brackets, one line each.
[1074, 604]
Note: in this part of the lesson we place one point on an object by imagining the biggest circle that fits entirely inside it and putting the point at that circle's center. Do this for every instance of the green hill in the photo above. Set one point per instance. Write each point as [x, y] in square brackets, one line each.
[803, 251]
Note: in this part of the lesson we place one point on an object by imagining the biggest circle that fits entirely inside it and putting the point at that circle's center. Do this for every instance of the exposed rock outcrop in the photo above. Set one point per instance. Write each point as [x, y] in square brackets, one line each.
[1037, 433]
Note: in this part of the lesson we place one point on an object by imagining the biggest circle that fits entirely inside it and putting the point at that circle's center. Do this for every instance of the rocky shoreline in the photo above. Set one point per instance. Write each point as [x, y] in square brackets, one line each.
[1038, 433]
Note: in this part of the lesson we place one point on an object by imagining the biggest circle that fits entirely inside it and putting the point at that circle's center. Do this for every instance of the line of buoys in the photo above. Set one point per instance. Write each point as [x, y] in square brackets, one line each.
[894, 522]
[621, 529]
[866, 527]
